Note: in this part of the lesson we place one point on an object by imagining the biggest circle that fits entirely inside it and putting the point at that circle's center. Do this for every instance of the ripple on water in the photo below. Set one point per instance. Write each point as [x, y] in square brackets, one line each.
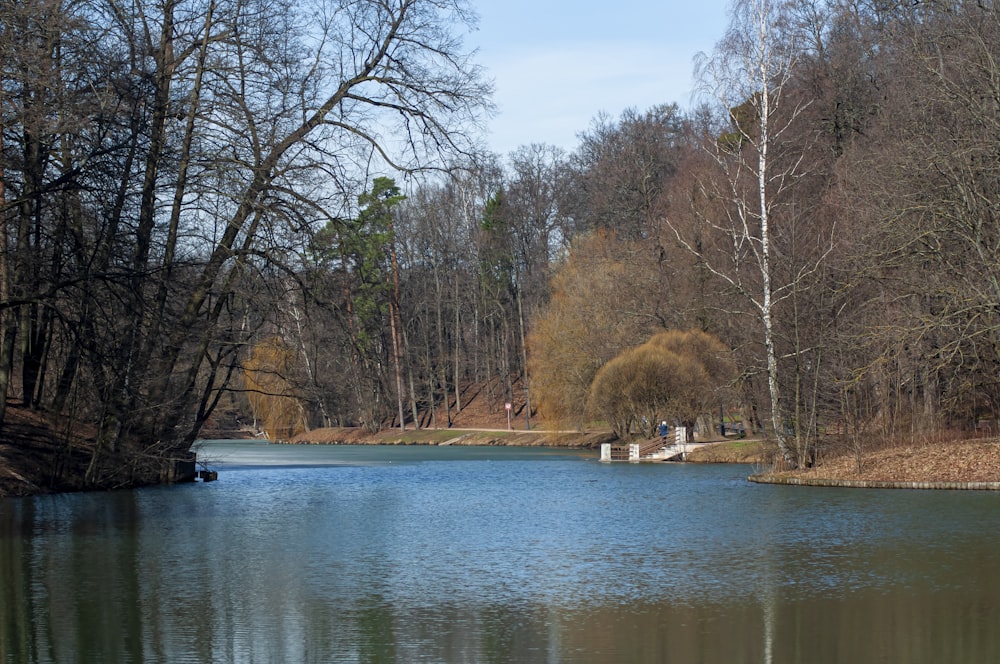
[441, 551]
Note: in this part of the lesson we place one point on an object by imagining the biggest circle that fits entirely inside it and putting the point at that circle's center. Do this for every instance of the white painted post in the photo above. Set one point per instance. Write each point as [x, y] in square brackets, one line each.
[605, 451]
[633, 451]
[681, 440]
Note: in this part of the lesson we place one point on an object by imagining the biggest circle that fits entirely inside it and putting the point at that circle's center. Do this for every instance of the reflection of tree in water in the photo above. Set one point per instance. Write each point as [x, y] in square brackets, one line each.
[376, 634]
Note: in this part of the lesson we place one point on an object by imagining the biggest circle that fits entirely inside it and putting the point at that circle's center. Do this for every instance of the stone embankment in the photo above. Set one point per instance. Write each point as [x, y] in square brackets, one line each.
[873, 484]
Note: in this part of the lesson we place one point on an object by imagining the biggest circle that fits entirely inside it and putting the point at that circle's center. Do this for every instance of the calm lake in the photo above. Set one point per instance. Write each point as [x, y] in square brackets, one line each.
[451, 554]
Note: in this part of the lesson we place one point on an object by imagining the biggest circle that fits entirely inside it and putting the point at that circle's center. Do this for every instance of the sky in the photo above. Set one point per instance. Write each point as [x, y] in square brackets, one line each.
[557, 64]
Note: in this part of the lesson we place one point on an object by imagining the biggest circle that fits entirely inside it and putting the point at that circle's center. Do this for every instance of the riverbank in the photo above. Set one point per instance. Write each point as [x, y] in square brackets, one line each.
[36, 456]
[728, 451]
[474, 437]
[932, 464]
[41, 454]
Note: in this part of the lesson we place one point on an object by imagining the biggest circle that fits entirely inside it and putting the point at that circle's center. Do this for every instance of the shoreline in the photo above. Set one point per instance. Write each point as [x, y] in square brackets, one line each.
[29, 457]
[872, 484]
[932, 464]
[467, 437]
[744, 451]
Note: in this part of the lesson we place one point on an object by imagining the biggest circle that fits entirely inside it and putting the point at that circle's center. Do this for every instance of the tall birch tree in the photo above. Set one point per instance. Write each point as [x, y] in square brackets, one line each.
[750, 75]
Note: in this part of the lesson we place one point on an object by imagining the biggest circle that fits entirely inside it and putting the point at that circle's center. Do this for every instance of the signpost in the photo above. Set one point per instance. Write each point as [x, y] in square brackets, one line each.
[508, 406]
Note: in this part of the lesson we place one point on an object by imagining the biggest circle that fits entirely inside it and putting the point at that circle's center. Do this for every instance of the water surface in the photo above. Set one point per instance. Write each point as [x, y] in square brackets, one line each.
[453, 554]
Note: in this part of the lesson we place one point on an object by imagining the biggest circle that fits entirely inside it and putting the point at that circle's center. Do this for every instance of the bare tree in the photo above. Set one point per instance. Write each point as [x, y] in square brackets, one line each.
[189, 142]
[618, 176]
[751, 76]
[924, 187]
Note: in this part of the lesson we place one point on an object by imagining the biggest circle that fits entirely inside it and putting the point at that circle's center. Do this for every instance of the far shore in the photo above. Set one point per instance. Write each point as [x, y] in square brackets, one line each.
[725, 451]
[473, 437]
[28, 458]
[928, 464]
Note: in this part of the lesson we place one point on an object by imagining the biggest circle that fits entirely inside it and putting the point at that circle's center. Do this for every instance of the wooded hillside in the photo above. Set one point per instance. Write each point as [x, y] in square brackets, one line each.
[225, 202]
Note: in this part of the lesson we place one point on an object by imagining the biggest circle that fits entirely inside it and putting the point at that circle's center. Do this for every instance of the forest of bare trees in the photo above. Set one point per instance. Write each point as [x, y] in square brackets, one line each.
[278, 212]
[164, 166]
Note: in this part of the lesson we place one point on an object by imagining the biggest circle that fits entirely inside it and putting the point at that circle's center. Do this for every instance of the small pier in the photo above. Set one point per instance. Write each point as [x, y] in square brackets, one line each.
[675, 448]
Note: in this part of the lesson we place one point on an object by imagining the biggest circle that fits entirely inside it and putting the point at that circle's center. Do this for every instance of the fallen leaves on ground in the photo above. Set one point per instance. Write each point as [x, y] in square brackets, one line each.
[951, 461]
